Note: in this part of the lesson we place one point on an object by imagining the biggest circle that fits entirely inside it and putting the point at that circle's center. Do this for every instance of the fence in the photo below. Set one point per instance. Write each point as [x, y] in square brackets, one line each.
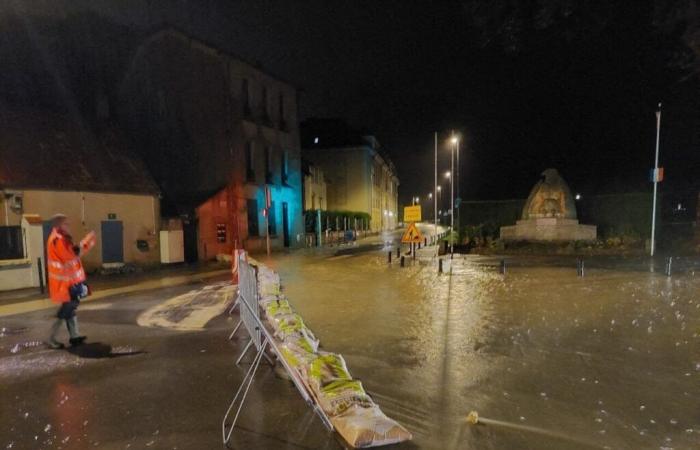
[263, 340]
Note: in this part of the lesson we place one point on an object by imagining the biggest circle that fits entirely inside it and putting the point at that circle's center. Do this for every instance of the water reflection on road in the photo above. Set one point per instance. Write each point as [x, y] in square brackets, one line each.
[606, 361]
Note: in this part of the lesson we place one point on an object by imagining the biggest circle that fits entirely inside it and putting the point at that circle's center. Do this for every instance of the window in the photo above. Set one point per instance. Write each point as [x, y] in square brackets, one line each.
[283, 167]
[266, 112]
[268, 165]
[245, 97]
[252, 205]
[221, 232]
[249, 162]
[283, 124]
[271, 220]
[11, 242]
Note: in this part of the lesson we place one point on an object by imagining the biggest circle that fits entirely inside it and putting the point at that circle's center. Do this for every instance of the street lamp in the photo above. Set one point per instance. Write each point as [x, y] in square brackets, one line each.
[448, 174]
[455, 142]
[439, 200]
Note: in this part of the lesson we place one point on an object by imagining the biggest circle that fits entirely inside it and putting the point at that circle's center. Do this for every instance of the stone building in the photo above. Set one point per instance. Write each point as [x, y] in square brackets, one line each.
[52, 163]
[359, 175]
[215, 130]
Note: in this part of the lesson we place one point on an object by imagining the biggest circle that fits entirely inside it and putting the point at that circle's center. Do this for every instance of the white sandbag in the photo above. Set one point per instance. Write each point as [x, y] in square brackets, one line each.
[369, 427]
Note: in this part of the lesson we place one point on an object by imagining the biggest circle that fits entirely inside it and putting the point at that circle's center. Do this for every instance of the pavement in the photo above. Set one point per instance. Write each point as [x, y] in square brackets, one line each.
[548, 359]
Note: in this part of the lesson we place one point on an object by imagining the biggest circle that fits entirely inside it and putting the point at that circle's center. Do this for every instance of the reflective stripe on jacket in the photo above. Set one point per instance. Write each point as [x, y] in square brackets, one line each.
[65, 268]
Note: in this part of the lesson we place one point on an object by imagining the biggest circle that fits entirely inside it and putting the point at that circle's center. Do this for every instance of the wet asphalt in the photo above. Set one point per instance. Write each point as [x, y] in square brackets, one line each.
[548, 359]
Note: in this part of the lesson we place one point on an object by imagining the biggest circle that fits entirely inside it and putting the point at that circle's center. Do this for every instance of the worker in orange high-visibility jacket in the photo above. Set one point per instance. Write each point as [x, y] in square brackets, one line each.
[66, 278]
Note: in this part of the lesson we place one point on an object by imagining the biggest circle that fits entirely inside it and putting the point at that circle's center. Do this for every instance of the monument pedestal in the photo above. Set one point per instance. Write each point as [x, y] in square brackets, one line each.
[548, 229]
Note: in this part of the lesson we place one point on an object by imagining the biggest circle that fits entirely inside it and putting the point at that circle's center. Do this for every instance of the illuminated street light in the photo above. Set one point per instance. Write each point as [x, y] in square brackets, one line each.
[578, 197]
[454, 140]
[430, 195]
[448, 174]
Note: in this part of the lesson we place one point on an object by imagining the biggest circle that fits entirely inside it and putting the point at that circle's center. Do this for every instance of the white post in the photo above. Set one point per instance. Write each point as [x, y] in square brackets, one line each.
[656, 167]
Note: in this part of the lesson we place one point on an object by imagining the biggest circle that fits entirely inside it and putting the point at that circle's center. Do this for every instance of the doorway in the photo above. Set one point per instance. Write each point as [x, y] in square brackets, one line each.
[285, 223]
[189, 233]
[112, 241]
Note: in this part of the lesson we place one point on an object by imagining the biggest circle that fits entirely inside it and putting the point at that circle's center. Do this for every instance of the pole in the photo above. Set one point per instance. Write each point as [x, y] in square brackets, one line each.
[318, 225]
[452, 200]
[656, 167]
[435, 191]
[267, 230]
[459, 182]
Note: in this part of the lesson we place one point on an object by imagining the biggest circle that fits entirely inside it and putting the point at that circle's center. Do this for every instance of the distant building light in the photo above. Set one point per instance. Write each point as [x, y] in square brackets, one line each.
[680, 207]
[578, 196]
[386, 213]
[316, 140]
[391, 213]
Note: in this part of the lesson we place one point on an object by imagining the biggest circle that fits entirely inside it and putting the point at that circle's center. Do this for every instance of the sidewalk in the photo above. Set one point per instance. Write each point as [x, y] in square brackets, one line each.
[28, 300]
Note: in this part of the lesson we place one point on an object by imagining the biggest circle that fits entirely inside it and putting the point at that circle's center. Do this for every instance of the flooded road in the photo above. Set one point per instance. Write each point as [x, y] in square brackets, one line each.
[611, 360]
[549, 360]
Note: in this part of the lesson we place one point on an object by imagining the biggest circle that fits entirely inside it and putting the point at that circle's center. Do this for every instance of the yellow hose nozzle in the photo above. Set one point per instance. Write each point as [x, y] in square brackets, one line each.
[473, 417]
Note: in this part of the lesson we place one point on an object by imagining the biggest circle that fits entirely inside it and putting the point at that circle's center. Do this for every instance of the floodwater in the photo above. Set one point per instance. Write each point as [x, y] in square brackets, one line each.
[546, 358]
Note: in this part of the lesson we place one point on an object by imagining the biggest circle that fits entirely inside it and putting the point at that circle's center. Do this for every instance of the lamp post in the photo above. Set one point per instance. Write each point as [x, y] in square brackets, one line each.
[655, 175]
[455, 142]
[439, 202]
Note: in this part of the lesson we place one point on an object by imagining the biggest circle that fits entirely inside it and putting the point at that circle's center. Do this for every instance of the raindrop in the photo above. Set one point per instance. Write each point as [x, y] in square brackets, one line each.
[522, 418]
[47, 428]
[642, 408]
[673, 422]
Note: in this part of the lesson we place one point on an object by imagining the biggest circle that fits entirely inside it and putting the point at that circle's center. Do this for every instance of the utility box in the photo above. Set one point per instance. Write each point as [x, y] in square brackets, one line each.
[172, 246]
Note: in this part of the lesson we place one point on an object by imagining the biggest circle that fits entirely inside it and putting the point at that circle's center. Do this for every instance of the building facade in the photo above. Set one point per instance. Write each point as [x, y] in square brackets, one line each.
[359, 176]
[216, 131]
[53, 164]
[315, 190]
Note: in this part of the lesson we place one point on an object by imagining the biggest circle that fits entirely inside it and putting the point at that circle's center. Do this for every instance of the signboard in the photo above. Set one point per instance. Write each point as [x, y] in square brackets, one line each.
[412, 235]
[411, 213]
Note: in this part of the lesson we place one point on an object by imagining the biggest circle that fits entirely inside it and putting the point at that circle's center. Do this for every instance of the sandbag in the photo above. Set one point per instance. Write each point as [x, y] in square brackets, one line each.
[335, 389]
[369, 427]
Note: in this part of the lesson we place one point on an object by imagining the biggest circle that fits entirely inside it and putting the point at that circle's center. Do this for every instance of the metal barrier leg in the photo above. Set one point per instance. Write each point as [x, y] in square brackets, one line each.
[230, 311]
[238, 325]
[245, 350]
[247, 381]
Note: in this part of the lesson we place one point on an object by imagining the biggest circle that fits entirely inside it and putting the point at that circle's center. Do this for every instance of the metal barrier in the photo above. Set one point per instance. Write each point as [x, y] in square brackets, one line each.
[249, 309]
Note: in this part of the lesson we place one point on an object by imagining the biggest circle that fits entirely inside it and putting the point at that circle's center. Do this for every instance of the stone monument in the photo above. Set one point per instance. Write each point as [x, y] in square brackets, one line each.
[549, 214]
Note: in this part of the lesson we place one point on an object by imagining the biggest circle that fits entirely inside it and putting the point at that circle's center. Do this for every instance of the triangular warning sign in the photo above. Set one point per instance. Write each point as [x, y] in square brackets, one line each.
[412, 235]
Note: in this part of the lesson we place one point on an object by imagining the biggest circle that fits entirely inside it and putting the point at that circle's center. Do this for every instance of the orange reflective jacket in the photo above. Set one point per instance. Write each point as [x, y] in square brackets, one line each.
[65, 268]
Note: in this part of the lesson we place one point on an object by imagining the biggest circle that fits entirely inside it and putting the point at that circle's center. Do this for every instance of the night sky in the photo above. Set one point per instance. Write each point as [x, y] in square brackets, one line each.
[529, 84]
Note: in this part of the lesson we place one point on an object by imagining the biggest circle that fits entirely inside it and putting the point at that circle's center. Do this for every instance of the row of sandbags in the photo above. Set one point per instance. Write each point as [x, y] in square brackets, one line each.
[351, 410]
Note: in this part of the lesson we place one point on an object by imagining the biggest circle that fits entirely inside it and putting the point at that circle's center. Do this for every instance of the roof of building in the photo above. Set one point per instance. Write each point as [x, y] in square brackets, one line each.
[41, 150]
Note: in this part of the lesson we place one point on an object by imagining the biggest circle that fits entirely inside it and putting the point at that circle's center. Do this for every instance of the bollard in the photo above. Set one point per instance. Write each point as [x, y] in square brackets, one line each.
[669, 261]
[440, 265]
[503, 266]
[402, 261]
[41, 275]
[390, 253]
[413, 252]
[425, 242]
[398, 251]
[581, 268]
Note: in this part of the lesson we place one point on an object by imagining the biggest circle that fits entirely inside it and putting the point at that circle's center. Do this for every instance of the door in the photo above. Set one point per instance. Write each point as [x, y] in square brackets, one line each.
[189, 229]
[285, 223]
[112, 241]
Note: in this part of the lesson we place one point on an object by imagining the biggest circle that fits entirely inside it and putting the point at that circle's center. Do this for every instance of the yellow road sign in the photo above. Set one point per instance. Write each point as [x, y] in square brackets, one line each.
[412, 235]
[411, 213]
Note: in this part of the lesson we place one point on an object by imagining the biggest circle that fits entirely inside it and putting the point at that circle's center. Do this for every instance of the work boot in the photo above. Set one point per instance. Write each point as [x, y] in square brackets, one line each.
[53, 342]
[75, 337]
